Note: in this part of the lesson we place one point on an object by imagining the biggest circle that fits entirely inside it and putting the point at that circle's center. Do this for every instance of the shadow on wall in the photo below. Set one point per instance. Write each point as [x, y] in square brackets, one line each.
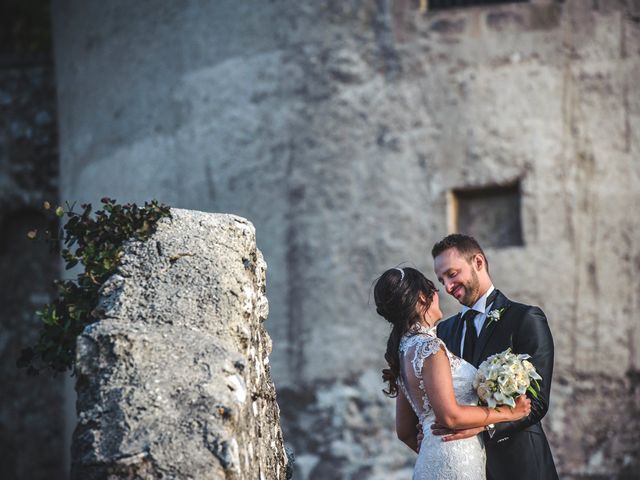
[31, 415]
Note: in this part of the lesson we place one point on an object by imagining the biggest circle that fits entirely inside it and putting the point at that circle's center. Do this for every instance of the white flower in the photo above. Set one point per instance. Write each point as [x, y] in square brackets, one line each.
[494, 315]
[522, 382]
[531, 370]
[510, 387]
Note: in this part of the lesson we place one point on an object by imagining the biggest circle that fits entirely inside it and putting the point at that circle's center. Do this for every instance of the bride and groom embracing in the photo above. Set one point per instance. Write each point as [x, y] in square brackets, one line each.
[432, 369]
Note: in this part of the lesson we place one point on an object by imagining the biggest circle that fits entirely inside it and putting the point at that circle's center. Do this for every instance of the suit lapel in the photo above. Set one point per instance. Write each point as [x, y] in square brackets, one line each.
[489, 327]
[457, 335]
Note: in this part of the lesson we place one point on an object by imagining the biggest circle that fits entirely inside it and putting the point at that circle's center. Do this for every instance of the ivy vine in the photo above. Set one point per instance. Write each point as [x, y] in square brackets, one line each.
[94, 241]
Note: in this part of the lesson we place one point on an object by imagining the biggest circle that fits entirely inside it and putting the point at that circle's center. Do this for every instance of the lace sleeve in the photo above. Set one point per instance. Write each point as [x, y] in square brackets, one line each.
[424, 349]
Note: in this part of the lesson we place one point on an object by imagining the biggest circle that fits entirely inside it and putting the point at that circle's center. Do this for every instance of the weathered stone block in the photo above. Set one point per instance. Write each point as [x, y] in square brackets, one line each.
[174, 380]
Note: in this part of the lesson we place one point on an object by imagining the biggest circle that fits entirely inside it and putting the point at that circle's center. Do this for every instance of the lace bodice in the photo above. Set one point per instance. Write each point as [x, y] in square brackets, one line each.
[414, 350]
[462, 459]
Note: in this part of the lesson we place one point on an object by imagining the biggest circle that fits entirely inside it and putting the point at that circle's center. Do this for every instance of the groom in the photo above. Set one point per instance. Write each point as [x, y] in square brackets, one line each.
[514, 449]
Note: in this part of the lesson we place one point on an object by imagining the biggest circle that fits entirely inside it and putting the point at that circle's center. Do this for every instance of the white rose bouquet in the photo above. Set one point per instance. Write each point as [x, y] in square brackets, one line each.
[504, 376]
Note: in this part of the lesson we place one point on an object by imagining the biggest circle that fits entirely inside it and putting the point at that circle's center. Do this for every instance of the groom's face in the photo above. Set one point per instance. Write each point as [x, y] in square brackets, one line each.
[458, 276]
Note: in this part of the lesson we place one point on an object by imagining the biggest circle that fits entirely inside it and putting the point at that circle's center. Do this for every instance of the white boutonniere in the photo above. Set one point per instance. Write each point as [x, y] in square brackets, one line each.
[494, 315]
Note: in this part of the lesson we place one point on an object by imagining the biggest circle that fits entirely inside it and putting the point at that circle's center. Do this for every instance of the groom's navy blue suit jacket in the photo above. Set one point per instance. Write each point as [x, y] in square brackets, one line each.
[517, 450]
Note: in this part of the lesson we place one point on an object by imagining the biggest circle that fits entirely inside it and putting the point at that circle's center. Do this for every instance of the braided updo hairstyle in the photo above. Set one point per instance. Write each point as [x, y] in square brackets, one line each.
[396, 294]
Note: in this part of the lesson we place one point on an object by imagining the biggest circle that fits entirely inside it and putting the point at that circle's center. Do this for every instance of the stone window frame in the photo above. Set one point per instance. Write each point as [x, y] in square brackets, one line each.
[454, 194]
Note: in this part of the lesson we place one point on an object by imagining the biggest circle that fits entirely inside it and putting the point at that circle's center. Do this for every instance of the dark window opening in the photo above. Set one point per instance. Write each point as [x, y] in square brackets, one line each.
[441, 4]
[490, 214]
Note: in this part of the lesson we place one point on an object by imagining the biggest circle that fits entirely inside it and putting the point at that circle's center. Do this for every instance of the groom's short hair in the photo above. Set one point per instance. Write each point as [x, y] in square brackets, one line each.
[465, 244]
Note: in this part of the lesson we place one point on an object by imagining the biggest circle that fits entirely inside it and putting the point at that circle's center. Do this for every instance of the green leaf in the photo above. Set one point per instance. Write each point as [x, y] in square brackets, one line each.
[98, 239]
[536, 384]
[71, 264]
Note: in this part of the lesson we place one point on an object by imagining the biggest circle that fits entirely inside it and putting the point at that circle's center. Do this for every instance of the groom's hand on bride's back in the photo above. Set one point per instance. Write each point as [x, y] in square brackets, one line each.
[440, 430]
[449, 435]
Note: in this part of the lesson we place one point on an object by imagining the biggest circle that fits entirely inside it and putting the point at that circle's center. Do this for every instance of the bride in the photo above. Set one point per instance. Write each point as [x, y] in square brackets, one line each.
[431, 385]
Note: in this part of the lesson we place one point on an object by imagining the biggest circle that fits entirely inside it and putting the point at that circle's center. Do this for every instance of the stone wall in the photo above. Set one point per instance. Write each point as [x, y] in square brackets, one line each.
[343, 129]
[174, 380]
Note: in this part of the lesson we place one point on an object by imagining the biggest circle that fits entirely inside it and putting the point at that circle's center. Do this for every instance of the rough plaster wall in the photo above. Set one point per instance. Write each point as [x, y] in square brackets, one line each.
[203, 113]
[174, 380]
[340, 136]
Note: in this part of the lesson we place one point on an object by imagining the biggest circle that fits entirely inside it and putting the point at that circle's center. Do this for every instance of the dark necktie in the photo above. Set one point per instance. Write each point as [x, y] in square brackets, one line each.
[470, 336]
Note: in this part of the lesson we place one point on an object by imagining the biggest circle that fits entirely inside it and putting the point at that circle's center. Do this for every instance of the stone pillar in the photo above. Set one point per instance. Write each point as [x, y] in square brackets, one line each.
[174, 380]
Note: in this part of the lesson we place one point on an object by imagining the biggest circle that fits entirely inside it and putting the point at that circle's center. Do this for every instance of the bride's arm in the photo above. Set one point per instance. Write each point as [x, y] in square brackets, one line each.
[406, 421]
[436, 374]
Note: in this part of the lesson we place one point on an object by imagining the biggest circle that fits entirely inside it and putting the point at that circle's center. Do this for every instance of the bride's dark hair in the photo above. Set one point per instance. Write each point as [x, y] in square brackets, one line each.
[397, 295]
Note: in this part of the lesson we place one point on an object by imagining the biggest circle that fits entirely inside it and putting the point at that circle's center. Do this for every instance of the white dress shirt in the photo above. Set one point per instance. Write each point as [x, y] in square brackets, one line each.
[482, 308]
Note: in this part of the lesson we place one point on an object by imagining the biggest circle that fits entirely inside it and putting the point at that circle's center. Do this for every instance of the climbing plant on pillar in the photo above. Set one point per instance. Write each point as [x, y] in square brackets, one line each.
[95, 241]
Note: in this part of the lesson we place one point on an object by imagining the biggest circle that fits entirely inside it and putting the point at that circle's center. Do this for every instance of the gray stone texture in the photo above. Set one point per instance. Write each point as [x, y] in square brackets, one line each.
[339, 128]
[174, 380]
[31, 408]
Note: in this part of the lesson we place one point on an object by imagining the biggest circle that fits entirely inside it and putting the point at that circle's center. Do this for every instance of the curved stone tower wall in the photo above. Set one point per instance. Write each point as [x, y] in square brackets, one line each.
[345, 130]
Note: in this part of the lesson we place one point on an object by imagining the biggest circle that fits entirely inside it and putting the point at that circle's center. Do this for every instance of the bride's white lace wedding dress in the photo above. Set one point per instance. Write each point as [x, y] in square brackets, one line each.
[456, 460]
